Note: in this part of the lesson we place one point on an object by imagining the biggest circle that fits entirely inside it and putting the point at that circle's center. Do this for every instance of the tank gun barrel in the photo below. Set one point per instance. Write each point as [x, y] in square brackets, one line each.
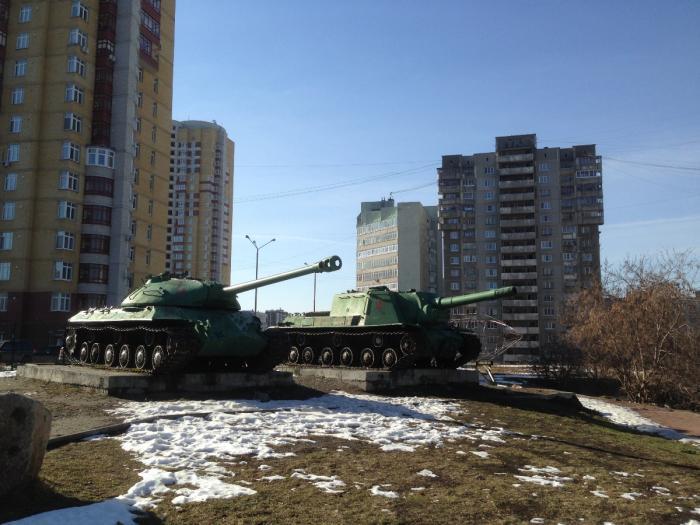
[327, 264]
[461, 300]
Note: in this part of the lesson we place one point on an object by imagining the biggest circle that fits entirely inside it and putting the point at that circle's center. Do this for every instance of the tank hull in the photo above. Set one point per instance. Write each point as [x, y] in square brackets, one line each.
[387, 347]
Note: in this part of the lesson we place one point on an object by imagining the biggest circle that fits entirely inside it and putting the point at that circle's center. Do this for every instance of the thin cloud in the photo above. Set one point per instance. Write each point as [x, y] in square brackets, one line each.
[653, 222]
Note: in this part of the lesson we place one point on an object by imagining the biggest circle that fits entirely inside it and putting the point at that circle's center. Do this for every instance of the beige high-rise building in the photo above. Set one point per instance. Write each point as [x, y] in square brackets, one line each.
[522, 216]
[86, 113]
[200, 214]
[397, 246]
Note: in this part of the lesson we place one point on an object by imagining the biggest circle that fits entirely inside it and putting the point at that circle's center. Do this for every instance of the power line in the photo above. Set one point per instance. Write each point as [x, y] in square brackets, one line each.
[342, 165]
[653, 165]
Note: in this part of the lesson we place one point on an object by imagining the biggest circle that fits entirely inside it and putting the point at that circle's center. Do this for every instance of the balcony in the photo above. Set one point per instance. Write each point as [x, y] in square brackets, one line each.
[522, 157]
[529, 196]
[526, 344]
[520, 317]
[507, 184]
[527, 289]
[520, 302]
[518, 262]
[526, 329]
[517, 223]
[524, 170]
[519, 276]
[517, 236]
[530, 248]
[517, 209]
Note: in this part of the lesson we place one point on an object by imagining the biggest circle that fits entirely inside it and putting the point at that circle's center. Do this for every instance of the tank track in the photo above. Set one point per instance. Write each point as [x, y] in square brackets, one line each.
[178, 346]
[351, 347]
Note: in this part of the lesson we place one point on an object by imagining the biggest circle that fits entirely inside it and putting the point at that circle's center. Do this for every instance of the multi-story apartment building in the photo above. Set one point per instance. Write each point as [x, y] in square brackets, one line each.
[397, 246]
[200, 201]
[522, 216]
[86, 112]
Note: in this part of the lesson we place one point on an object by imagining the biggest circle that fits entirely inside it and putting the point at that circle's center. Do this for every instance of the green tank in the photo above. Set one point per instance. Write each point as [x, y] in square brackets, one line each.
[381, 328]
[170, 324]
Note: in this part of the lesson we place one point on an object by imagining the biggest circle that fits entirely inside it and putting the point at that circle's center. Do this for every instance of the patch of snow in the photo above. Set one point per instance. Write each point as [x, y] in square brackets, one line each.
[377, 491]
[329, 484]
[629, 418]
[632, 496]
[587, 477]
[398, 446]
[691, 522]
[8, 373]
[96, 437]
[599, 493]
[517, 485]
[696, 510]
[207, 487]
[274, 477]
[264, 467]
[545, 476]
[537, 520]
[480, 453]
[427, 473]
[417, 489]
[102, 513]
[661, 490]
[461, 452]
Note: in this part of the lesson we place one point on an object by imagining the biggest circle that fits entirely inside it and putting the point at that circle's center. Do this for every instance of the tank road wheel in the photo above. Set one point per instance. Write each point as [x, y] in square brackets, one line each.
[389, 358]
[327, 357]
[84, 353]
[408, 344]
[110, 355]
[293, 356]
[124, 356]
[377, 340]
[95, 353]
[346, 357]
[71, 342]
[308, 355]
[367, 357]
[158, 357]
[141, 357]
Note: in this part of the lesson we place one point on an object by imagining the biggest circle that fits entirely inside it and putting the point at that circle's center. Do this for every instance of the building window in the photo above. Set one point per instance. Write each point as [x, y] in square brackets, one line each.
[65, 240]
[78, 10]
[132, 253]
[454, 260]
[155, 85]
[546, 230]
[25, 14]
[99, 186]
[491, 272]
[544, 166]
[22, 41]
[149, 232]
[546, 245]
[15, 124]
[67, 180]
[154, 134]
[490, 234]
[152, 182]
[13, 153]
[546, 258]
[148, 257]
[543, 179]
[454, 286]
[490, 208]
[62, 271]
[154, 109]
[137, 150]
[488, 195]
[60, 302]
[549, 311]
[10, 182]
[3, 301]
[546, 218]
[100, 157]
[140, 75]
[454, 247]
[20, 68]
[17, 96]
[150, 207]
[138, 124]
[74, 94]
[568, 256]
[8, 211]
[5, 271]
[66, 210]
[549, 325]
[94, 214]
[493, 285]
[489, 170]
[150, 23]
[545, 205]
[77, 38]
[491, 246]
[72, 122]
[70, 151]
[587, 257]
[93, 273]
[94, 244]
[548, 285]
[6, 240]
[134, 201]
[139, 99]
[75, 65]
[153, 158]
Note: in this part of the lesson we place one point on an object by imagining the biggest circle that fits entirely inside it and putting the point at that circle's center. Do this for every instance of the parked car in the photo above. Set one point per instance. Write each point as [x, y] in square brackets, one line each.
[17, 351]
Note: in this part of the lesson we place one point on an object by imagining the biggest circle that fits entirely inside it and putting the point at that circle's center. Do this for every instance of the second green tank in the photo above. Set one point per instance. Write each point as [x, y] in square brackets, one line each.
[385, 329]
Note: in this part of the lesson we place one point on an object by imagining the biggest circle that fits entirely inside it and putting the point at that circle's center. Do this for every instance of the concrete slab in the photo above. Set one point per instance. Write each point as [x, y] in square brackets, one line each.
[383, 380]
[132, 384]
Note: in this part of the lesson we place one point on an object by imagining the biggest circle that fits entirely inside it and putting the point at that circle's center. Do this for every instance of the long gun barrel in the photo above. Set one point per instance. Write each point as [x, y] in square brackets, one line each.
[328, 264]
[460, 300]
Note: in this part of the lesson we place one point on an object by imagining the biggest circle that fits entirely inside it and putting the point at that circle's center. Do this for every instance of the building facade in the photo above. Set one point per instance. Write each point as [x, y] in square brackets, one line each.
[86, 109]
[200, 214]
[522, 216]
[397, 246]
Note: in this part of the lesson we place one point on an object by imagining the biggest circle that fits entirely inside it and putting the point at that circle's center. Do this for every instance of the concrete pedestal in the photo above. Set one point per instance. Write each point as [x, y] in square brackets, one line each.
[383, 380]
[115, 382]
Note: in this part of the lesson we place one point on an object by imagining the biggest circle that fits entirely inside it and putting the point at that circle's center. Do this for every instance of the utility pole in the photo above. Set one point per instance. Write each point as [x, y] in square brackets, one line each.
[257, 258]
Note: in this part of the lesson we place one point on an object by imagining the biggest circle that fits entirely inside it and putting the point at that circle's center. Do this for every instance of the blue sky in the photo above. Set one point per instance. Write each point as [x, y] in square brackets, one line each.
[368, 95]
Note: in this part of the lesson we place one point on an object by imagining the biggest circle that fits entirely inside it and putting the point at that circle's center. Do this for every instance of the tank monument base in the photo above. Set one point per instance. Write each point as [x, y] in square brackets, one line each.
[385, 380]
[115, 382]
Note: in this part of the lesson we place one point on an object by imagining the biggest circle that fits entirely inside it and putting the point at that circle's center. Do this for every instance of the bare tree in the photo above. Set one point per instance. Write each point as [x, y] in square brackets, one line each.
[640, 327]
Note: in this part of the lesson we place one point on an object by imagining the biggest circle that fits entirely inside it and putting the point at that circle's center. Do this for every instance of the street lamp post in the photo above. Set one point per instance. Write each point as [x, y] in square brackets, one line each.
[314, 289]
[257, 258]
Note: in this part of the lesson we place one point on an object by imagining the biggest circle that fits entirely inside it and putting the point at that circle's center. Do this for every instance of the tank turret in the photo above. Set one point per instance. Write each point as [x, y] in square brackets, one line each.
[383, 328]
[170, 324]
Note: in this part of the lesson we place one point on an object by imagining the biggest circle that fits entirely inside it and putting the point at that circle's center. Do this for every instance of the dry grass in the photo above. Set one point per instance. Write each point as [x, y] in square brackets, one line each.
[467, 489]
